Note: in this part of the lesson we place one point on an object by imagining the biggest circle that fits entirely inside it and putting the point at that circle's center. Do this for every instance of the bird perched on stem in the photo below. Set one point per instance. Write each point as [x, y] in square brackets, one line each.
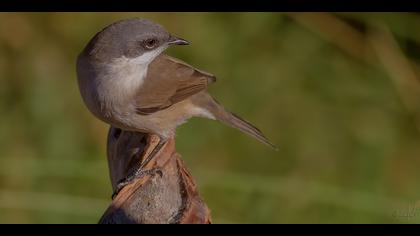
[126, 81]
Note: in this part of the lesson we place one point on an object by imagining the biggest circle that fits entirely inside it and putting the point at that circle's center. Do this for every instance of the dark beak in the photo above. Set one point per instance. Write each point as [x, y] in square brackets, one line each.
[177, 41]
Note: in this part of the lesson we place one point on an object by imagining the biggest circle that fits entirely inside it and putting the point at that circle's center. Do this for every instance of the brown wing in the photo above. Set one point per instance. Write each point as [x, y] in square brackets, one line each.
[169, 81]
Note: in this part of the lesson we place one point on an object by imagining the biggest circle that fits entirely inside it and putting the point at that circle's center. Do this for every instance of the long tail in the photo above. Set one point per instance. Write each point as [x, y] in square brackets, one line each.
[233, 120]
[237, 122]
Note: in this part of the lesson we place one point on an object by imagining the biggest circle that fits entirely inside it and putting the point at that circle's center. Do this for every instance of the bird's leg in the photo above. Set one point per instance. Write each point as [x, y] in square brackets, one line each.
[153, 153]
[140, 172]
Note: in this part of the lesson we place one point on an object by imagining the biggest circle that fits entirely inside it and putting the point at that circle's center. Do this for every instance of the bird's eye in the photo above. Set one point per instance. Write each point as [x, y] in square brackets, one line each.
[150, 43]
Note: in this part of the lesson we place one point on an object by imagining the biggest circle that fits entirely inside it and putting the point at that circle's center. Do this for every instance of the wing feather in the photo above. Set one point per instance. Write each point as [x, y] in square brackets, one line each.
[168, 82]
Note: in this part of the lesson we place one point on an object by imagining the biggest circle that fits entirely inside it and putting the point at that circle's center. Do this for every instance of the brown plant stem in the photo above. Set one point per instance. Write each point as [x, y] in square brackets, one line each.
[151, 199]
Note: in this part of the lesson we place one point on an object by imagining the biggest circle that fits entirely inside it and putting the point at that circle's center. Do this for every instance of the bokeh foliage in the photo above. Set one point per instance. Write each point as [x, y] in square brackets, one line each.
[348, 143]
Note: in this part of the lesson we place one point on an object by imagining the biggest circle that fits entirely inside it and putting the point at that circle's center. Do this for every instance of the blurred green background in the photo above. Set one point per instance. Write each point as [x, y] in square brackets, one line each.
[338, 93]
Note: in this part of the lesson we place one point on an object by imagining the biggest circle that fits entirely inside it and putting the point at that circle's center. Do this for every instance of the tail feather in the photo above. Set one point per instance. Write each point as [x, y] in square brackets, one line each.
[206, 101]
[237, 122]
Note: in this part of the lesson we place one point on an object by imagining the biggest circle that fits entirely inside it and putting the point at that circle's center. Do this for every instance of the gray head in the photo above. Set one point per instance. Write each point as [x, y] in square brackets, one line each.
[130, 38]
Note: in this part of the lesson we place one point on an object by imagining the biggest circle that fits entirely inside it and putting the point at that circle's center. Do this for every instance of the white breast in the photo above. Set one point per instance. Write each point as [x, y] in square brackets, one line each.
[127, 74]
[119, 82]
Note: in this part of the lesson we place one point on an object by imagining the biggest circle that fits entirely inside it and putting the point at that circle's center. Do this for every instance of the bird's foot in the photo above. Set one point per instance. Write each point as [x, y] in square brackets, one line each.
[138, 174]
[150, 152]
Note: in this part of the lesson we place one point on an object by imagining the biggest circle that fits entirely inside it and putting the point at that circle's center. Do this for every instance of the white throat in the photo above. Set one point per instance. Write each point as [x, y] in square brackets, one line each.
[146, 57]
[123, 77]
[128, 74]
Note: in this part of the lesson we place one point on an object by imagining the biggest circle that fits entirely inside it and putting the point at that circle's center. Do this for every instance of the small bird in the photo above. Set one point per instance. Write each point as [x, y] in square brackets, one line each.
[125, 80]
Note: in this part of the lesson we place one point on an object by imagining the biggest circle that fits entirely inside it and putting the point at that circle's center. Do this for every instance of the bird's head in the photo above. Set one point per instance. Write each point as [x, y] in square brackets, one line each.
[136, 39]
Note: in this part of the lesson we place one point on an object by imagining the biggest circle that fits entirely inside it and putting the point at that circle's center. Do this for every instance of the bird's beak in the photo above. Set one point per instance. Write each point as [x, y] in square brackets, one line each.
[177, 41]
